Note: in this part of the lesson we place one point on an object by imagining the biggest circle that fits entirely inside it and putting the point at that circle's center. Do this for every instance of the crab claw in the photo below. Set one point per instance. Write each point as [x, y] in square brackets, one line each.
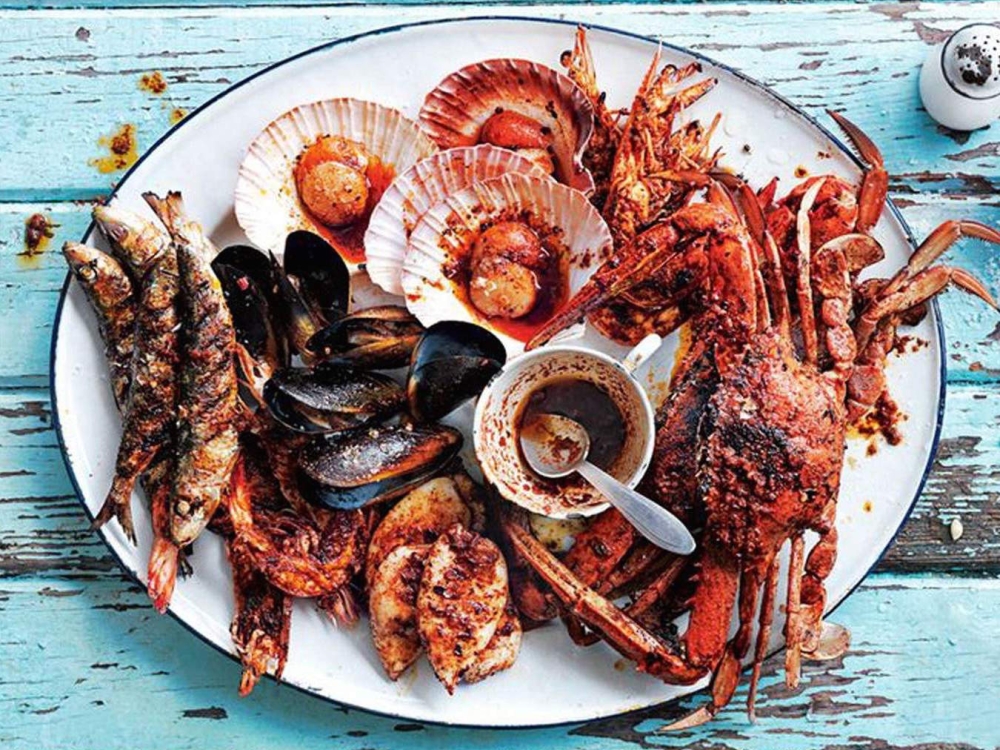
[636, 261]
[946, 235]
[875, 184]
[918, 288]
[696, 718]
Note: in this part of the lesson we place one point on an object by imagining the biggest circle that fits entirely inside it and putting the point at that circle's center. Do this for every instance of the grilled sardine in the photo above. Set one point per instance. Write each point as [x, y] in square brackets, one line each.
[149, 412]
[207, 407]
[109, 292]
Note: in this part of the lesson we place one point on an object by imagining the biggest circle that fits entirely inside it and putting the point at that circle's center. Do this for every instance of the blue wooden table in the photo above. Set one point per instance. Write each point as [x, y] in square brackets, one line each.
[84, 660]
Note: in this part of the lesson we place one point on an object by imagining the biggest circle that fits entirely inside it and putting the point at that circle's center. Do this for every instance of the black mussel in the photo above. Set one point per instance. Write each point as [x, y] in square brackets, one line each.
[378, 338]
[366, 466]
[250, 308]
[452, 363]
[261, 349]
[250, 261]
[329, 399]
[319, 273]
[296, 319]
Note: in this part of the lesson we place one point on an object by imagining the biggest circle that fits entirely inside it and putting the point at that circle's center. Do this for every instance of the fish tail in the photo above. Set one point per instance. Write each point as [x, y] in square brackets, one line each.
[119, 505]
[169, 210]
[162, 573]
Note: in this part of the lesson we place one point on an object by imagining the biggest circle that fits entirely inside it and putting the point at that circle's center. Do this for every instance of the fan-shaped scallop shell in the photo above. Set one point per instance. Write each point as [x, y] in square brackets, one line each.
[267, 202]
[417, 189]
[456, 109]
[443, 238]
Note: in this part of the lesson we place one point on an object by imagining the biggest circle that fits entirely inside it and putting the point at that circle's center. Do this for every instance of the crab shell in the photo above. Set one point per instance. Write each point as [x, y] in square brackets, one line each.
[267, 202]
[443, 238]
[421, 186]
[454, 112]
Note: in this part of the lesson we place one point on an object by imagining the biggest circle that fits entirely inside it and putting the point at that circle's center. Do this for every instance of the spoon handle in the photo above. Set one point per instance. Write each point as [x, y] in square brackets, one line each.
[657, 524]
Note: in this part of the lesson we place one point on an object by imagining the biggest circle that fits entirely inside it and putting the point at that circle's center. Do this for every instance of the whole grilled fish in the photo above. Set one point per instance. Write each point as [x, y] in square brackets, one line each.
[149, 412]
[207, 406]
[109, 292]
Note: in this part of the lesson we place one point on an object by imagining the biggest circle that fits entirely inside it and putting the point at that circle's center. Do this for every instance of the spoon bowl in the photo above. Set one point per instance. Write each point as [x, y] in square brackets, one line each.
[555, 446]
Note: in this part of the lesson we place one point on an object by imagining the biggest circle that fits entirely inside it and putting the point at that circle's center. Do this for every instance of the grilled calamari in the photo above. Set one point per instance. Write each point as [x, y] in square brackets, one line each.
[207, 399]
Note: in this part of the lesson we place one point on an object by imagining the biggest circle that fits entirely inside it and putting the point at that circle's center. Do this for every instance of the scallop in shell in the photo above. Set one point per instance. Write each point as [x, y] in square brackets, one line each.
[444, 262]
[337, 157]
[515, 104]
[417, 189]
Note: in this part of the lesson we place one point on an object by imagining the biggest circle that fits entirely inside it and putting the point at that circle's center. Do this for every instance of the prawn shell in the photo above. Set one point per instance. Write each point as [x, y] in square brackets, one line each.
[448, 230]
[456, 109]
[266, 201]
[417, 189]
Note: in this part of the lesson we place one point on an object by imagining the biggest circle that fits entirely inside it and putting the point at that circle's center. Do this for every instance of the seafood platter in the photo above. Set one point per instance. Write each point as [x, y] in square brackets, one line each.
[309, 356]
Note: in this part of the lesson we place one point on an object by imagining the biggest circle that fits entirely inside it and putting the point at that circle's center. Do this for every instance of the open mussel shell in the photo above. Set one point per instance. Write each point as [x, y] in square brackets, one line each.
[250, 309]
[455, 111]
[249, 261]
[380, 337]
[417, 189]
[367, 466]
[329, 399]
[322, 277]
[262, 349]
[293, 313]
[452, 363]
[267, 203]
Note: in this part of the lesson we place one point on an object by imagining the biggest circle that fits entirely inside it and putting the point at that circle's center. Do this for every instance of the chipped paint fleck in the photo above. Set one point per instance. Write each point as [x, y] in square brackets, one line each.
[177, 114]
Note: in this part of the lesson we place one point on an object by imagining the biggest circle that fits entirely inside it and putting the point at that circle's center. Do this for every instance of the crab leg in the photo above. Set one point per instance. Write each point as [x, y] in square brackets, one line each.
[727, 674]
[654, 592]
[937, 242]
[763, 634]
[803, 259]
[641, 559]
[819, 564]
[793, 624]
[621, 632]
[636, 261]
[875, 183]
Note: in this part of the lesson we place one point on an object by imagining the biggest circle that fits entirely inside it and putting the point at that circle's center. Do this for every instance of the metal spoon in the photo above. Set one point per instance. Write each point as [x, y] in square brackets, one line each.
[555, 446]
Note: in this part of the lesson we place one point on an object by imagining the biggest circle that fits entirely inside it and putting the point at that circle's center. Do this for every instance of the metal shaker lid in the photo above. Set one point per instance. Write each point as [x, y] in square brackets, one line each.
[970, 61]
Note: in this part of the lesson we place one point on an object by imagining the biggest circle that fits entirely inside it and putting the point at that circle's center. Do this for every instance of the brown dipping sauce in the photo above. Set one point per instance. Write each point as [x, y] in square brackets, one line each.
[586, 403]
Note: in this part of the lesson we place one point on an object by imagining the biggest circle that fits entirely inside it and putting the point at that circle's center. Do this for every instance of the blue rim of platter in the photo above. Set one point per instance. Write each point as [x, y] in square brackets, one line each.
[939, 327]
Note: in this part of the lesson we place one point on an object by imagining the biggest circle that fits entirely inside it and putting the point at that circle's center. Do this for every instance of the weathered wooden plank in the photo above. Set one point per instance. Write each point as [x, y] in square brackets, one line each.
[964, 484]
[87, 66]
[119, 4]
[44, 531]
[29, 287]
[91, 665]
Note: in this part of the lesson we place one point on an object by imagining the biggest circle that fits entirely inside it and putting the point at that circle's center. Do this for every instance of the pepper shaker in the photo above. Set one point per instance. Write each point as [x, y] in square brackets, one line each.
[960, 80]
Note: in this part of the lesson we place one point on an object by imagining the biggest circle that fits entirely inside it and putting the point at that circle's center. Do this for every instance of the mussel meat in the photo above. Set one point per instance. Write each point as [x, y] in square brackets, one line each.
[365, 466]
[331, 398]
[377, 338]
[452, 363]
